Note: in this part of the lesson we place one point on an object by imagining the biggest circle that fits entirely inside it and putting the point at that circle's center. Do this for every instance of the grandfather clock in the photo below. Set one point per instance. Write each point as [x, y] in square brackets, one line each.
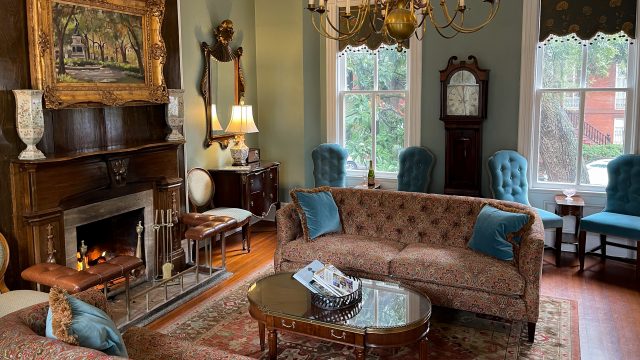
[463, 108]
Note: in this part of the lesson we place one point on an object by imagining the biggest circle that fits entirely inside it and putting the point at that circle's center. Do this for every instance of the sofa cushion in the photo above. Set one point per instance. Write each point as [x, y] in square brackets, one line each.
[457, 267]
[493, 232]
[318, 212]
[346, 252]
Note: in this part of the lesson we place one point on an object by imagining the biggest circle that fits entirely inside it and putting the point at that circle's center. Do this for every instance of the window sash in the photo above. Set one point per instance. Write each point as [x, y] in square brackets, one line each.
[341, 70]
[583, 90]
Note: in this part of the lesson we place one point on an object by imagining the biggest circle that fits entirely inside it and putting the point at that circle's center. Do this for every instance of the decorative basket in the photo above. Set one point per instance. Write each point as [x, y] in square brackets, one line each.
[338, 302]
[336, 316]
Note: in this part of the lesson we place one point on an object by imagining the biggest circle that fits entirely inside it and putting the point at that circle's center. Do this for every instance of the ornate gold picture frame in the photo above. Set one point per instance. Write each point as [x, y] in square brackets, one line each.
[97, 52]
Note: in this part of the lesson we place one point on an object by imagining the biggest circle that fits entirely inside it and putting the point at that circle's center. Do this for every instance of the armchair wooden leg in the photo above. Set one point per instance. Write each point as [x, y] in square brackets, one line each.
[603, 247]
[558, 245]
[531, 331]
[246, 237]
[582, 243]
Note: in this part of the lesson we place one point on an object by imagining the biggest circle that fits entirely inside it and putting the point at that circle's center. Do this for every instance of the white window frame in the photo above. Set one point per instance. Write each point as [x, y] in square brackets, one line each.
[529, 100]
[334, 118]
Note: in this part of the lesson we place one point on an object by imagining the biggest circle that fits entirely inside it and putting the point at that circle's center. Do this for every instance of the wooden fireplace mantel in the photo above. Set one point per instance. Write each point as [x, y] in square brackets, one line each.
[42, 190]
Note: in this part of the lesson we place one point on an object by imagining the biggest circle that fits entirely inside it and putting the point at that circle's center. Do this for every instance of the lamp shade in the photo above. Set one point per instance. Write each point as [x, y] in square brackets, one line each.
[241, 120]
[215, 123]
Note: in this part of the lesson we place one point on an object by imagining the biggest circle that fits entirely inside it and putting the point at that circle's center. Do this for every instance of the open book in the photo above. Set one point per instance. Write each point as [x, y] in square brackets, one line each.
[325, 279]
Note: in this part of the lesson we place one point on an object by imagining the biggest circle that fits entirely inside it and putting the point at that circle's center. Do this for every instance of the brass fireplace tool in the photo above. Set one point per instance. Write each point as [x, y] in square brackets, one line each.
[163, 229]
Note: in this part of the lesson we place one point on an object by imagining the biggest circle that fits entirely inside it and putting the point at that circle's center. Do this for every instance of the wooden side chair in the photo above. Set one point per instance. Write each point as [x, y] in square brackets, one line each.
[11, 301]
[200, 190]
[621, 215]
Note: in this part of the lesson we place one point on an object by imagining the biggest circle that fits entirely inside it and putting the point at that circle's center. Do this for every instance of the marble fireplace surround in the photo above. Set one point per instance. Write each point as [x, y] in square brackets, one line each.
[105, 209]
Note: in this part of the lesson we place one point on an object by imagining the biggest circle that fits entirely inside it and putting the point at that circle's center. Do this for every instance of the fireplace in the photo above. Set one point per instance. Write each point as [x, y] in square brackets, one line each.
[108, 229]
[110, 237]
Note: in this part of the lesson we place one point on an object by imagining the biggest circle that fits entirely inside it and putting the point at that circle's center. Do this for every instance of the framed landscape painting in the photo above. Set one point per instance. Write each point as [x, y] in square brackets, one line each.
[97, 52]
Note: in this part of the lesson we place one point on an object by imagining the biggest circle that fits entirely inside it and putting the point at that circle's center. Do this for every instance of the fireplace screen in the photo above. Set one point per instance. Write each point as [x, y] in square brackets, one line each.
[110, 237]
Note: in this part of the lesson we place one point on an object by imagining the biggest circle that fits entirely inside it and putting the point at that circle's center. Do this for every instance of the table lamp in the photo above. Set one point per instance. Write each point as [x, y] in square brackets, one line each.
[241, 123]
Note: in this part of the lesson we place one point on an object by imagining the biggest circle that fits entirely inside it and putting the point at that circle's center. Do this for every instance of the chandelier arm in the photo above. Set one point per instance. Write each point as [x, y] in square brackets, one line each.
[450, 20]
[440, 28]
[323, 32]
[492, 13]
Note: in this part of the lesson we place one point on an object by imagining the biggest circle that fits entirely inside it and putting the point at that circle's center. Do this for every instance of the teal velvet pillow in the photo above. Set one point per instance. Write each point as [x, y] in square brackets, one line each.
[75, 322]
[492, 229]
[318, 212]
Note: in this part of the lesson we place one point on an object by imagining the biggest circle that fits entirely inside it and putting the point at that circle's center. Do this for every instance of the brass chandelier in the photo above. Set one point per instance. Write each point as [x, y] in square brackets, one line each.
[396, 20]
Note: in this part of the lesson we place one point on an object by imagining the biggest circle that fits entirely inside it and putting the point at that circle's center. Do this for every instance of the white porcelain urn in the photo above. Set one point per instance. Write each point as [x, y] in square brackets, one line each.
[175, 114]
[29, 122]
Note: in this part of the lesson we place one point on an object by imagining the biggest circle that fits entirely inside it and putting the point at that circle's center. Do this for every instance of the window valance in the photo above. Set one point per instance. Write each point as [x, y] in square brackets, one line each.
[585, 19]
[366, 36]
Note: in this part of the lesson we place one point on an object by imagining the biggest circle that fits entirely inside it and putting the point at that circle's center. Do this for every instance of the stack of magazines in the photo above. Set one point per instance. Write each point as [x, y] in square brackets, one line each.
[326, 280]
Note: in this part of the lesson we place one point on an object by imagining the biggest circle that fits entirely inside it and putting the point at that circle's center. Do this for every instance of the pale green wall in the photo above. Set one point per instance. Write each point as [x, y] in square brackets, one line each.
[198, 18]
[497, 48]
[283, 63]
[288, 90]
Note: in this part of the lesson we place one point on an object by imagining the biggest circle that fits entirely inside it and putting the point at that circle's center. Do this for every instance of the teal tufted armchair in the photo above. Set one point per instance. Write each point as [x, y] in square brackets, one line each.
[416, 166]
[621, 215]
[329, 165]
[508, 181]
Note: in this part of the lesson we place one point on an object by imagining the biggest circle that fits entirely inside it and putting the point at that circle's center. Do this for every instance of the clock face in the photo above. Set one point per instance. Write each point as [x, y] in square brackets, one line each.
[463, 94]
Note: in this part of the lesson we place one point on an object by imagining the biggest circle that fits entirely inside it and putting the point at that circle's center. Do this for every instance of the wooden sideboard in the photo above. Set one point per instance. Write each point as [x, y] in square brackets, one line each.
[253, 187]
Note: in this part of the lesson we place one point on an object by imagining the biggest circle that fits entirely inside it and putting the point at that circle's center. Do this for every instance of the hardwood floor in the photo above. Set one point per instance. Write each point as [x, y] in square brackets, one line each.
[241, 264]
[608, 295]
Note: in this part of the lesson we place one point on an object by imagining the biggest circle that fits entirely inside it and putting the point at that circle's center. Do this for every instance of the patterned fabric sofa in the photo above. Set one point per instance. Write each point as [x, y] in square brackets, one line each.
[22, 337]
[421, 240]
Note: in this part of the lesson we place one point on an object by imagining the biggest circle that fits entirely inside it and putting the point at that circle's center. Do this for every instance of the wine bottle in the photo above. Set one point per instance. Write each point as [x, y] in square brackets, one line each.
[371, 176]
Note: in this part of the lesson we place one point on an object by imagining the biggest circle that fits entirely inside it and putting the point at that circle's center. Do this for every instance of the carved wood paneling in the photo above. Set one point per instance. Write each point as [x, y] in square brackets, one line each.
[69, 132]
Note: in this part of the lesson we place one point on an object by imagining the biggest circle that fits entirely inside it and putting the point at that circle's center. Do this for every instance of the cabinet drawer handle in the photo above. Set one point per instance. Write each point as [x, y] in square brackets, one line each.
[271, 196]
[292, 326]
[344, 335]
[251, 202]
[251, 182]
[270, 175]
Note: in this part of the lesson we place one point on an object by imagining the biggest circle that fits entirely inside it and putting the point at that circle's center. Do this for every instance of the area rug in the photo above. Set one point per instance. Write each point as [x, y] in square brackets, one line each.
[224, 322]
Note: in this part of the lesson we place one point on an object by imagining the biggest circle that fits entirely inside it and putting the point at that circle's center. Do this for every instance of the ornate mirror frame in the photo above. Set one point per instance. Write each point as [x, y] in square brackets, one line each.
[57, 94]
[220, 51]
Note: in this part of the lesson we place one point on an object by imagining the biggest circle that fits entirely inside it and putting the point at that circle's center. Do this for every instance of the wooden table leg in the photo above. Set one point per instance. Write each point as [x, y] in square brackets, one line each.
[273, 344]
[261, 331]
[360, 353]
[423, 349]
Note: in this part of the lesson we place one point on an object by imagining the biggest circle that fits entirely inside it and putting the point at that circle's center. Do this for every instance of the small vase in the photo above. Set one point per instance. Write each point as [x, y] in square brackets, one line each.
[29, 122]
[175, 114]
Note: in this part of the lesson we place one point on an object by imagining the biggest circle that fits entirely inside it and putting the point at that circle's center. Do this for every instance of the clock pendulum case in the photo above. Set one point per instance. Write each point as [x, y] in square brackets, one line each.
[463, 108]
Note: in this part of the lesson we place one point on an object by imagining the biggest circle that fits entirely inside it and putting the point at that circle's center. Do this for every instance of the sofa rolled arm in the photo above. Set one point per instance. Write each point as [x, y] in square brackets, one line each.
[288, 228]
[530, 267]
[145, 344]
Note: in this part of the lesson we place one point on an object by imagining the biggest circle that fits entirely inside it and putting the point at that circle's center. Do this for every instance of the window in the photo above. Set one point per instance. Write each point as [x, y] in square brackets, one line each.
[580, 121]
[373, 103]
[373, 94]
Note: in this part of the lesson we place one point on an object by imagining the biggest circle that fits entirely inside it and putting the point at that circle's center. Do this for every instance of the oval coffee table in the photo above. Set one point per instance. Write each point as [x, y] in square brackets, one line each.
[389, 315]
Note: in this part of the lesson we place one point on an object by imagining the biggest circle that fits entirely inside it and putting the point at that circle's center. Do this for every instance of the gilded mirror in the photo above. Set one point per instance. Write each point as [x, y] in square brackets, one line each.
[222, 84]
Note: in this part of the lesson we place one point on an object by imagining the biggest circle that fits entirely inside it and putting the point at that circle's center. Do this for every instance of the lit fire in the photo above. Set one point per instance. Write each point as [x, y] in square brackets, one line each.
[94, 256]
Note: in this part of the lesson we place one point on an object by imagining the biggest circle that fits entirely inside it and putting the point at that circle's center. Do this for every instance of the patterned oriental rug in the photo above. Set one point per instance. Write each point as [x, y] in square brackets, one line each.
[224, 322]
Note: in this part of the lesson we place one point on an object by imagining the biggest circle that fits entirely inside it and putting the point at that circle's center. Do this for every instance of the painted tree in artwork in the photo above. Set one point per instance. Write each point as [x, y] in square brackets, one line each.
[134, 34]
[62, 16]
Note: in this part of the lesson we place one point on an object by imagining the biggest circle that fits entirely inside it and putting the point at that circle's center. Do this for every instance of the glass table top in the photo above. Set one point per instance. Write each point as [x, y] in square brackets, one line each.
[383, 305]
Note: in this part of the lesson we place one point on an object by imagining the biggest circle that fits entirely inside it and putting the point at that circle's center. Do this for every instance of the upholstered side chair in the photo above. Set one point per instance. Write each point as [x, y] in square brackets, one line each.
[508, 181]
[416, 167]
[621, 215]
[200, 190]
[11, 301]
[330, 165]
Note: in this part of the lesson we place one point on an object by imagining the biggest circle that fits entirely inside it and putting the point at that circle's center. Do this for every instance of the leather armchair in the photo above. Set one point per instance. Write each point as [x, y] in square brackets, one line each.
[416, 166]
[329, 165]
[621, 215]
